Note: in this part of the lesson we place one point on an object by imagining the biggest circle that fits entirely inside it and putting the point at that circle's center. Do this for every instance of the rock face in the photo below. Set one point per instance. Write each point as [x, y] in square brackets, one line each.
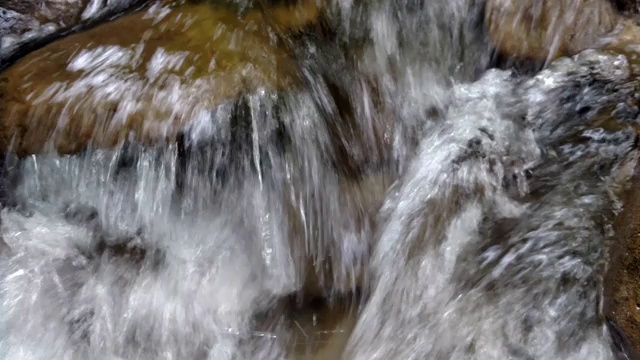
[623, 288]
[543, 30]
[26, 20]
[22, 21]
[586, 107]
[547, 29]
[146, 74]
[537, 272]
[63, 13]
[13, 24]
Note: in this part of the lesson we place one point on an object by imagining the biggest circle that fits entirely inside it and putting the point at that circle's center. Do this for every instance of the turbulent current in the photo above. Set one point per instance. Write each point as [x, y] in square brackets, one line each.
[466, 212]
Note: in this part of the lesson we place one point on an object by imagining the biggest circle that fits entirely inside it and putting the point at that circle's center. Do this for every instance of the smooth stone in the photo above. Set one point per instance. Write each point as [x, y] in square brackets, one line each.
[146, 75]
[544, 30]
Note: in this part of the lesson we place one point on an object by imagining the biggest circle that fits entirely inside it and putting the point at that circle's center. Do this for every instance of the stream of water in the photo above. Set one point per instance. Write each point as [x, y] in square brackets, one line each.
[465, 212]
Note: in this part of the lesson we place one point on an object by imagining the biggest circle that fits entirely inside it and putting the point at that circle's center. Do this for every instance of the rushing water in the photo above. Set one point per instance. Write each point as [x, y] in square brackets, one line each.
[471, 210]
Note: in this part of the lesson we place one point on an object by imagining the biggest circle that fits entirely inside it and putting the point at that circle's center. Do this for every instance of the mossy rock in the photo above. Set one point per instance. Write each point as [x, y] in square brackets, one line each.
[146, 75]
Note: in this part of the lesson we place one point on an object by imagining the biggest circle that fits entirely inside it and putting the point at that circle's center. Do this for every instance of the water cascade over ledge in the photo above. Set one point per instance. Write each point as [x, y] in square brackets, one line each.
[193, 182]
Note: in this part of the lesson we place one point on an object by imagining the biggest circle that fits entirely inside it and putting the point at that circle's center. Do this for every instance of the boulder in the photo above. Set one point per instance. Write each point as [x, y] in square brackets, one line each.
[23, 22]
[64, 13]
[547, 29]
[146, 75]
[506, 268]
[622, 288]
[13, 23]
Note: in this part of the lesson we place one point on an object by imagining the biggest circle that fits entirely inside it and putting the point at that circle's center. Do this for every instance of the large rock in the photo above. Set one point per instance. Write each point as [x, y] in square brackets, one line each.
[22, 22]
[548, 29]
[44, 11]
[148, 74]
[443, 271]
[622, 285]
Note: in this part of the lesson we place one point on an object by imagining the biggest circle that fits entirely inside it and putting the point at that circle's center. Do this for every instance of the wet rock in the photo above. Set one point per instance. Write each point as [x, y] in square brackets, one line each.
[22, 21]
[28, 21]
[573, 94]
[583, 163]
[622, 288]
[148, 73]
[547, 29]
[13, 23]
[583, 110]
[63, 13]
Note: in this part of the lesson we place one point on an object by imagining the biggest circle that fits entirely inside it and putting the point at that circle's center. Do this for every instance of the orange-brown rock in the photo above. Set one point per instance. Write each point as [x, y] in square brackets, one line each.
[147, 74]
[622, 288]
[547, 29]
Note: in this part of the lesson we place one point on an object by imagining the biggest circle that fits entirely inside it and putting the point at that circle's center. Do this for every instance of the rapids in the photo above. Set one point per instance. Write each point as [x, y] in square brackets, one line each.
[454, 212]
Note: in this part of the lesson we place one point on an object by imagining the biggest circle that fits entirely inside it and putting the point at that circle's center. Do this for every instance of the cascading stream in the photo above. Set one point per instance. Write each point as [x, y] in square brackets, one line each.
[467, 212]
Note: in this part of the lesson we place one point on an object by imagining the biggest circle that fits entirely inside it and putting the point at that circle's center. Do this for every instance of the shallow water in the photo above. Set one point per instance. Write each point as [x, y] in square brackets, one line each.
[451, 213]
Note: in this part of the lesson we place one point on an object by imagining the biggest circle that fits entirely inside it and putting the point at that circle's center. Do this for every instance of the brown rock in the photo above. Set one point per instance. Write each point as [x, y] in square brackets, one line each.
[147, 73]
[622, 288]
[548, 29]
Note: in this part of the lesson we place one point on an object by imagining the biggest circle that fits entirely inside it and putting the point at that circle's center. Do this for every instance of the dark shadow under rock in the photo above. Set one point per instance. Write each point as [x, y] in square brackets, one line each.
[627, 6]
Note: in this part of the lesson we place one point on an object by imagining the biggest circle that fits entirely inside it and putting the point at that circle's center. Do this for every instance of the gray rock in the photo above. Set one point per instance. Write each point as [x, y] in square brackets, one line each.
[26, 21]
[573, 93]
[13, 23]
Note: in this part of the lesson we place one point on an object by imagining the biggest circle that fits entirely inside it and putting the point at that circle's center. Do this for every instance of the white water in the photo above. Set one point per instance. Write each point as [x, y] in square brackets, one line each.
[490, 244]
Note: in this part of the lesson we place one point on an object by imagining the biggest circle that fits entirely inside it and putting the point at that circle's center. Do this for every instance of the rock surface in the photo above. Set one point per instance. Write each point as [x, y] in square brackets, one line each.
[548, 29]
[546, 260]
[587, 107]
[623, 287]
[23, 21]
[148, 73]
[543, 30]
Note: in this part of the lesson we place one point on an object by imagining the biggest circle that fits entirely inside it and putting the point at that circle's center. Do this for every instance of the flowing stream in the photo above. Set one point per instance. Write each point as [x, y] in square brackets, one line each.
[450, 211]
